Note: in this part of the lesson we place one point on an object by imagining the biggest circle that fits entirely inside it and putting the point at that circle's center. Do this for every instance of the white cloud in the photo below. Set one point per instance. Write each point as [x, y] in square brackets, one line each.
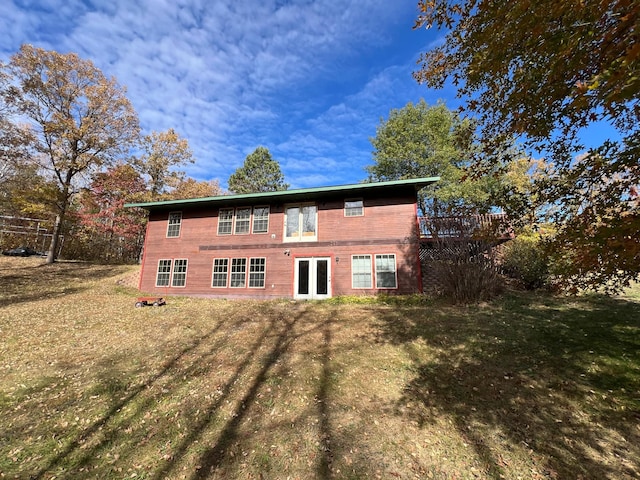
[302, 78]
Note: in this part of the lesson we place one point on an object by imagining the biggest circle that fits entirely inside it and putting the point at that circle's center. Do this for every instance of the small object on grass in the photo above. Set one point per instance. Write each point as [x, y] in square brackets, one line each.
[153, 301]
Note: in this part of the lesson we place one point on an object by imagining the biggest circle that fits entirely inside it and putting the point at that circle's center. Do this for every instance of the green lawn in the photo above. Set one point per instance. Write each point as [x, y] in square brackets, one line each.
[529, 386]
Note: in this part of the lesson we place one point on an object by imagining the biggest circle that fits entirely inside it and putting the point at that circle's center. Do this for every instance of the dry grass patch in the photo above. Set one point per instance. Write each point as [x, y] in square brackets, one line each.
[529, 387]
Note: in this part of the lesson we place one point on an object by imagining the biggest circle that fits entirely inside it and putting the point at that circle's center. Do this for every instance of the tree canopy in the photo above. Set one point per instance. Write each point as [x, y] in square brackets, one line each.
[190, 188]
[542, 72]
[106, 230]
[259, 173]
[419, 140]
[15, 138]
[537, 67]
[161, 153]
[80, 120]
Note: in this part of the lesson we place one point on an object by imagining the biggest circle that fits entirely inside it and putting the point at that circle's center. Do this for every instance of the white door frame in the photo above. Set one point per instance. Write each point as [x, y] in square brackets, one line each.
[312, 284]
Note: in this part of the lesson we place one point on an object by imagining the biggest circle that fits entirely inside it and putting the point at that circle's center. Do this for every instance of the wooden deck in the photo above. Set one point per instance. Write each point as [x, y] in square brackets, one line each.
[495, 226]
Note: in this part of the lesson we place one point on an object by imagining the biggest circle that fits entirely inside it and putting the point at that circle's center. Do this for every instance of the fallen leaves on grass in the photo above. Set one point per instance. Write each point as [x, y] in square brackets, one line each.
[91, 387]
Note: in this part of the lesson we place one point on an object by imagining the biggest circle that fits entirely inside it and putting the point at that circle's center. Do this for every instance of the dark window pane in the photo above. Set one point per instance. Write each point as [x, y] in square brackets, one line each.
[321, 277]
[303, 277]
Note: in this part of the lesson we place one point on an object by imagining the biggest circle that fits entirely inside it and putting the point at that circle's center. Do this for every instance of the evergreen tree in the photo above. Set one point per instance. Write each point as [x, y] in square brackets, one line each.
[259, 173]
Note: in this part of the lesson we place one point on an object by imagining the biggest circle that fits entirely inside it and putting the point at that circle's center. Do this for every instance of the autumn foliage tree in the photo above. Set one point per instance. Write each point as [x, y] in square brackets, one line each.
[191, 188]
[15, 138]
[542, 72]
[106, 230]
[161, 154]
[66, 137]
[81, 121]
[26, 193]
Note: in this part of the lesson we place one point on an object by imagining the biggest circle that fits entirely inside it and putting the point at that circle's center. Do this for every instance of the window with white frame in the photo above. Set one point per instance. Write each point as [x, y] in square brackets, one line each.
[225, 221]
[361, 271]
[243, 220]
[301, 223]
[164, 273]
[260, 219]
[353, 208]
[173, 226]
[386, 271]
[257, 268]
[238, 276]
[179, 275]
[220, 271]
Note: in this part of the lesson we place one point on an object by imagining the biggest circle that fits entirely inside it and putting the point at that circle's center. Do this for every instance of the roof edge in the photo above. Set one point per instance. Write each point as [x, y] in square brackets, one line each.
[416, 182]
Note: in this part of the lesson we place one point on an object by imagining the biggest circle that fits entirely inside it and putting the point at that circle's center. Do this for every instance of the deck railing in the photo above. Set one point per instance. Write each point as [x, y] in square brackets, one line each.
[495, 224]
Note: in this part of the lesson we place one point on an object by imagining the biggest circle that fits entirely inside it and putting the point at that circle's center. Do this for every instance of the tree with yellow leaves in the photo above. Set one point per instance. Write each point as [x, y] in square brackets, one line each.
[542, 71]
[81, 120]
[161, 153]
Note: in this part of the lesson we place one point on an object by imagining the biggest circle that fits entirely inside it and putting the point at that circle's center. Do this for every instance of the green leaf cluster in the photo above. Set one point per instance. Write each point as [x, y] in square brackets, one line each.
[526, 260]
[420, 140]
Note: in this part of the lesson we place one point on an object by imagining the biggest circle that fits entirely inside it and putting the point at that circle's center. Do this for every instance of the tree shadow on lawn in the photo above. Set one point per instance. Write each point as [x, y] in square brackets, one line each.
[121, 395]
[214, 457]
[24, 282]
[216, 421]
[557, 378]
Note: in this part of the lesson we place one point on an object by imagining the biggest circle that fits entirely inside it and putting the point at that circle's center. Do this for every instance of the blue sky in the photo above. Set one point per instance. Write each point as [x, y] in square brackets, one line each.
[309, 80]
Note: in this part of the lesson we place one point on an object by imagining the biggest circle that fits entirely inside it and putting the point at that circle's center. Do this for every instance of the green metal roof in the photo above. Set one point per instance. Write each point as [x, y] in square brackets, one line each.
[285, 195]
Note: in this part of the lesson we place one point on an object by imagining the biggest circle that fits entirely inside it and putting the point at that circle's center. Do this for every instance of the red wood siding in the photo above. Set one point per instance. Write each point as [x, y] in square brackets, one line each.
[388, 226]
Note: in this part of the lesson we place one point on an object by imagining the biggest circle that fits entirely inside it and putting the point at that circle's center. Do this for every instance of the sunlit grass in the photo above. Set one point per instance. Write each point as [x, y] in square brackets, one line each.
[529, 386]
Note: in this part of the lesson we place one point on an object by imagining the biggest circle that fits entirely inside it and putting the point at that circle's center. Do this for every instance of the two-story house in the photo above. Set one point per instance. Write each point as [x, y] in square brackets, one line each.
[310, 243]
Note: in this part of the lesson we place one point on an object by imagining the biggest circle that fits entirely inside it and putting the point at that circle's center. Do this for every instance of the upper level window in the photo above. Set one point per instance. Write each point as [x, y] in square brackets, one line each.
[225, 221]
[173, 226]
[301, 223]
[243, 220]
[239, 221]
[353, 208]
[260, 219]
